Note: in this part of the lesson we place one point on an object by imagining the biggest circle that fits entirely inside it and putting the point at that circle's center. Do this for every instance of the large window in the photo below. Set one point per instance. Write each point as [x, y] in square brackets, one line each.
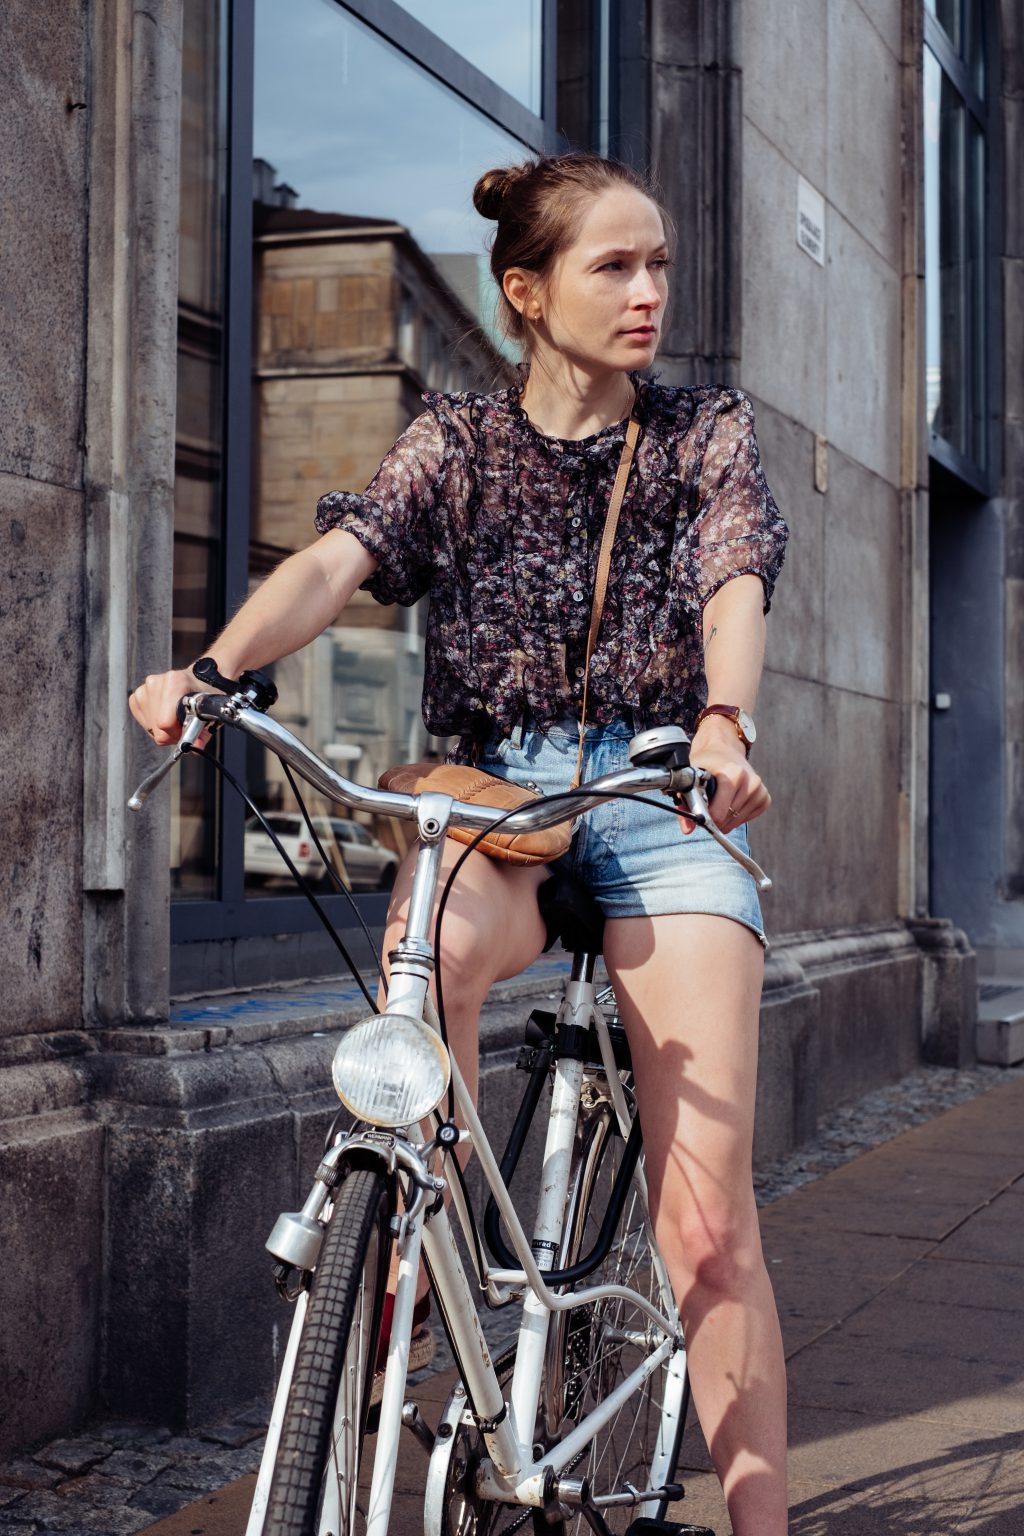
[198, 483]
[955, 95]
[333, 268]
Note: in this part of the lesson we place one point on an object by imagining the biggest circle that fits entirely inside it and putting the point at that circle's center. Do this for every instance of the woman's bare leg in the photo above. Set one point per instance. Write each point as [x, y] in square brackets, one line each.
[491, 930]
[689, 989]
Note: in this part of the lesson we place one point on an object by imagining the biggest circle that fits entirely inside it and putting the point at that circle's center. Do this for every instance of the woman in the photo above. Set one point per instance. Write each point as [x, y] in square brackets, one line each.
[495, 504]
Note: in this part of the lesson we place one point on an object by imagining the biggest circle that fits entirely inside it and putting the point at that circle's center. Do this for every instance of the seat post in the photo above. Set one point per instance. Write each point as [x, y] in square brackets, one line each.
[583, 963]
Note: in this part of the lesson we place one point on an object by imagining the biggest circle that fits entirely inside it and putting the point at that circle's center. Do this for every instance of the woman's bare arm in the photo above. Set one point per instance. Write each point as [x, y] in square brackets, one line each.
[734, 640]
[295, 604]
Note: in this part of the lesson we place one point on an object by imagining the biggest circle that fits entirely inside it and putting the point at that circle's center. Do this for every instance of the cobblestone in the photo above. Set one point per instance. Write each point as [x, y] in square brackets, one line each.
[234, 1435]
[15, 1519]
[74, 1456]
[23, 1472]
[119, 1478]
[95, 1489]
[134, 1467]
[163, 1500]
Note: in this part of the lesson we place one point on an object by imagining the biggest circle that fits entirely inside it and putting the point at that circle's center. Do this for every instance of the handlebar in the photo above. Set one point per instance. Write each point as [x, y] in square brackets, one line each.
[203, 710]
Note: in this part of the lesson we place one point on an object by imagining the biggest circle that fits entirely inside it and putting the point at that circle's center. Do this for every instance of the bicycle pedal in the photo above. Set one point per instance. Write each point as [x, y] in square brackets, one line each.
[645, 1526]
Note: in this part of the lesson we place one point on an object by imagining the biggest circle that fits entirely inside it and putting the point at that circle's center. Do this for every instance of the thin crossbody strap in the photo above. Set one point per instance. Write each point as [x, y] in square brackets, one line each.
[604, 562]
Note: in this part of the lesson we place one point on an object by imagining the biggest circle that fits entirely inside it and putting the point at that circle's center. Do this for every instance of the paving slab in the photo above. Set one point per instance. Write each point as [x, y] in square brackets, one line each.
[912, 1327]
[821, 1273]
[900, 1281]
[955, 1283]
[994, 1236]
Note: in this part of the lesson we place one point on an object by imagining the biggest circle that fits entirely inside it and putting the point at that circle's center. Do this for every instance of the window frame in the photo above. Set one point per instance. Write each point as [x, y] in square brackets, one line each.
[954, 65]
[230, 915]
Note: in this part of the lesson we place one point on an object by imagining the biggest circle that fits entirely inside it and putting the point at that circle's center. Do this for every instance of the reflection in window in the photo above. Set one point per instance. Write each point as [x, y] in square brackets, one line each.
[370, 284]
[503, 41]
[948, 14]
[197, 481]
[954, 151]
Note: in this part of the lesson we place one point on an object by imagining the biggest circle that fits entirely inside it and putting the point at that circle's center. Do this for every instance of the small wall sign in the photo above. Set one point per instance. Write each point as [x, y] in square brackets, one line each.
[810, 221]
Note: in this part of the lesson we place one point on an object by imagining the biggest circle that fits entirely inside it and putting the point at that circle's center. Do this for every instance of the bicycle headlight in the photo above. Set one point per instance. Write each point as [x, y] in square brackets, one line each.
[391, 1070]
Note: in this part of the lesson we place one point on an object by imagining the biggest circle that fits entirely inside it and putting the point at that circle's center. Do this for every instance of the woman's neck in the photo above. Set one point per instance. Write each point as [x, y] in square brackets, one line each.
[573, 404]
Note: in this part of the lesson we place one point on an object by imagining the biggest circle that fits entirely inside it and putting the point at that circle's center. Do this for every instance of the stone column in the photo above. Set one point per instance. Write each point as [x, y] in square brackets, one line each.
[129, 484]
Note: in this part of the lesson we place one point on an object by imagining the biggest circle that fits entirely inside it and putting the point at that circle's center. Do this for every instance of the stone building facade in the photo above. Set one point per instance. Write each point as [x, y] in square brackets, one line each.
[149, 1135]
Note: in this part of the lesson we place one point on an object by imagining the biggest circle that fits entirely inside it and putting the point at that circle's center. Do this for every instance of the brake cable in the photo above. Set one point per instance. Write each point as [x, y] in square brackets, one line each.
[336, 880]
[300, 880]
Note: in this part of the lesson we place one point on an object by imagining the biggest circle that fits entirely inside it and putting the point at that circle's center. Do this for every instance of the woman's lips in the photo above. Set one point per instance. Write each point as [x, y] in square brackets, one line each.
[643, 331]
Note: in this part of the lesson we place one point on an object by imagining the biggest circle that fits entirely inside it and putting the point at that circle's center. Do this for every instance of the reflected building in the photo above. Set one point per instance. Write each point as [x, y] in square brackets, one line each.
[353, 321]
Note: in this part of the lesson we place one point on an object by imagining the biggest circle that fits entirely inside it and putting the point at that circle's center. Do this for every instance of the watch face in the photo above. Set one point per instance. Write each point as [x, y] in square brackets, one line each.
[747, 726]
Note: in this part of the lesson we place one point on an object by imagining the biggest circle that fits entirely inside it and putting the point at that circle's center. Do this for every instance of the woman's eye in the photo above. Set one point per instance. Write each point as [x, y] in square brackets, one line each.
[610, 266]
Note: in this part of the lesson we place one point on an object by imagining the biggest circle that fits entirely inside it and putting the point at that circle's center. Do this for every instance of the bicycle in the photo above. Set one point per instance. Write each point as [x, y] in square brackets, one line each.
[577, 1425]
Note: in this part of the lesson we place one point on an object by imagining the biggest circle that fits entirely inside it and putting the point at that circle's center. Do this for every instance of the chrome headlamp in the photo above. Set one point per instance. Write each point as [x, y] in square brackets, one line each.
[391, 1070]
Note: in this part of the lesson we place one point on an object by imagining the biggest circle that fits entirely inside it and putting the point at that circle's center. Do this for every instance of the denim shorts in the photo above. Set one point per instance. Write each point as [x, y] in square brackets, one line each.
[634, 860]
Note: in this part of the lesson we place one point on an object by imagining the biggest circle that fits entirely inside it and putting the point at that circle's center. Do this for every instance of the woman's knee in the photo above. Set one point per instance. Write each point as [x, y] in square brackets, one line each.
[714, 1242]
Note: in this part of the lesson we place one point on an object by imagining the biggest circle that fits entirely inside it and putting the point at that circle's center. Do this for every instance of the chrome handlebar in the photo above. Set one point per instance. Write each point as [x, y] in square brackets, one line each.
[205, 709]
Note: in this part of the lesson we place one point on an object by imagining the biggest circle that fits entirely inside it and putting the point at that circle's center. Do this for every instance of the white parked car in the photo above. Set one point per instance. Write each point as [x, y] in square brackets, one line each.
[369, 865]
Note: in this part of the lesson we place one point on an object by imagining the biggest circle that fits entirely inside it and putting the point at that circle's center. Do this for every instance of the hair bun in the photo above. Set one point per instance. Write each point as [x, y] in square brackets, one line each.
[494, 186]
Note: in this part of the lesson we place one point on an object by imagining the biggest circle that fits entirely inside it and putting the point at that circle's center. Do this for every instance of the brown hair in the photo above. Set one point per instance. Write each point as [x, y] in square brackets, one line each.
[538, 207]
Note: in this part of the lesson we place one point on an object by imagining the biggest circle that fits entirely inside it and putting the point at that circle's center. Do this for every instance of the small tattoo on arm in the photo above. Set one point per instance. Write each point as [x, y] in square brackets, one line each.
[707, 642]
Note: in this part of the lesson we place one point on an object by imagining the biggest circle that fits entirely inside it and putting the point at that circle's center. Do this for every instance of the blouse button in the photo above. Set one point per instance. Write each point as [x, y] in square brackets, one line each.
[579, 671]
[576, 522]
[577, 597]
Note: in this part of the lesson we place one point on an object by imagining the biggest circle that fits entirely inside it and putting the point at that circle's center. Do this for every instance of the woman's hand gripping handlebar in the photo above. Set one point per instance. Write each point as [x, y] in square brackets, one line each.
[254, 688]
[692, 788]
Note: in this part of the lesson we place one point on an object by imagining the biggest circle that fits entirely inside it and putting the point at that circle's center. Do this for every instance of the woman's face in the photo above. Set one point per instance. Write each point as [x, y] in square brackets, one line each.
[604, 300]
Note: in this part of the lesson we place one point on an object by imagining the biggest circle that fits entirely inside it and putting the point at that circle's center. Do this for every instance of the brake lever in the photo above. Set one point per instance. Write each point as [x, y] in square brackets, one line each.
[189, 736]
[698, 810]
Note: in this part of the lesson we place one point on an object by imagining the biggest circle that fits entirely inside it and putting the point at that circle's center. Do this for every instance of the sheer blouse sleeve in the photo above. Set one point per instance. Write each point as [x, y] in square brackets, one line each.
[739, 529]
[392, 518]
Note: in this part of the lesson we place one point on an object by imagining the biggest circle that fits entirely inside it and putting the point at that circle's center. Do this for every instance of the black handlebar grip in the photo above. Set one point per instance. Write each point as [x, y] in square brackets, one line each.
[710, 787]
[206, 671]
[179, 709]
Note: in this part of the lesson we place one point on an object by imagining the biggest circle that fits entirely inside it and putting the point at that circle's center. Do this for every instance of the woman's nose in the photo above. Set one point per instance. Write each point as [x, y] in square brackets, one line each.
[645, 292]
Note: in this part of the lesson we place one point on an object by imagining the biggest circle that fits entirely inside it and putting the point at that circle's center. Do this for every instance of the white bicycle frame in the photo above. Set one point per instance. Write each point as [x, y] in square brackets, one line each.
[509, 1474]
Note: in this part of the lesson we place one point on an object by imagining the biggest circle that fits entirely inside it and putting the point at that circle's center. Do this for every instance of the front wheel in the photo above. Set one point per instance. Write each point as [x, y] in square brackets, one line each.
[592, 1349]
[315, 1490]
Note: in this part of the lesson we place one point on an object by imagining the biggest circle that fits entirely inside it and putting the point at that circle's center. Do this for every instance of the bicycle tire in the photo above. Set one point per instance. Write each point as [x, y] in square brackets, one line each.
[592, 1348]
[315, 1483]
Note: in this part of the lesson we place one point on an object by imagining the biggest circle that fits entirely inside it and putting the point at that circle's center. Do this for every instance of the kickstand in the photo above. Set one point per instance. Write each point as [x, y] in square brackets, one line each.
[594, 1518]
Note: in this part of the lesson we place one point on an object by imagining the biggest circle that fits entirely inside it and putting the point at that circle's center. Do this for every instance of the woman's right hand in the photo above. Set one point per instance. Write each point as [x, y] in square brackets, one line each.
[155, 703]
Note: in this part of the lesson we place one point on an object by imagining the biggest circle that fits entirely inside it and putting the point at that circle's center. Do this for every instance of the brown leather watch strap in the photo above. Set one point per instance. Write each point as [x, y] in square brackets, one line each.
[730, 712]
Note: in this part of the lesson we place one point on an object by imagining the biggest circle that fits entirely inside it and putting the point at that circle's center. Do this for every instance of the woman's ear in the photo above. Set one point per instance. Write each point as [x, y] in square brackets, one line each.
[520, 288]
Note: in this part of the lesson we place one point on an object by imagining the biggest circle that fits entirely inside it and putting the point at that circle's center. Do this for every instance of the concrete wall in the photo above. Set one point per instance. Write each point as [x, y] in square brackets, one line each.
[50, 1150]
[831, 354]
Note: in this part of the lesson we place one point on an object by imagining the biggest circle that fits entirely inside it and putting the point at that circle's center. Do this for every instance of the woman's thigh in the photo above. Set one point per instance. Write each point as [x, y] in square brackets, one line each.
[689, 988]
[491, 928]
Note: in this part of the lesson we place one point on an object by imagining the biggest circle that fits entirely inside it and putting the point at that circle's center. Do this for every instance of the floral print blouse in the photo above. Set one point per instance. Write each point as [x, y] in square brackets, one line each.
[501, 525]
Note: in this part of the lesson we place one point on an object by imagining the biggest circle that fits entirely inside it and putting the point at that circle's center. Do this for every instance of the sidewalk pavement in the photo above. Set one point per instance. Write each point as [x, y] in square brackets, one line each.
[900, 1284]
